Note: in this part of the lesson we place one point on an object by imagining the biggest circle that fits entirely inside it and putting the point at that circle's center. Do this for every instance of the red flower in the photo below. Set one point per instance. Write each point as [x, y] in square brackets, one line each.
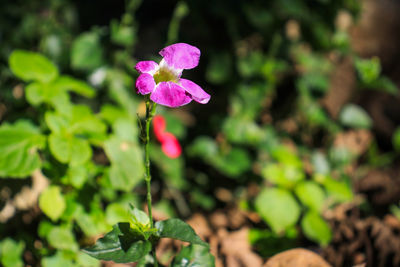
[169, 144]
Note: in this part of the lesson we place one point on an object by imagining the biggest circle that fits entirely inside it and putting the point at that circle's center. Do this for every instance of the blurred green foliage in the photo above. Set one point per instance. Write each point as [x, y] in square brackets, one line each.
[267, 65]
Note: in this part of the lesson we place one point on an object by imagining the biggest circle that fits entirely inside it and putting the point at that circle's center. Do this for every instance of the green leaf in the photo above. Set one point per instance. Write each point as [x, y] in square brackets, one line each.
[396, 139]
[354, 116]
[68, 149]
[138, 216]
[77, 175]
[117, 212]
[316, 228]
[337, 190]
[219, 68]
[35, 93]
[84, 260]
[67, 83]
[311, 195]
[55, 122]
[38, 93]
[92, 223]
[320, 163]
[194, 256]
[171, 169]
[283, 175]
[278, 208]
[62, 238]
[52, 202]
[60, 259]
[18, 149]
[368, 69]
[178, 229]
[87, 53]
[32, 66]
[120, 245]
[122, 34]
[126, 169]
[11, 253]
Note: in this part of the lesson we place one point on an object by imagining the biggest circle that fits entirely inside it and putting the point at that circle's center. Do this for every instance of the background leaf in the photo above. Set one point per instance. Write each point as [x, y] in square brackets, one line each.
[11, 253]
[192, 256]
[30, 66]
[18, 149]
[52, 202]
[354, 116]
[278, 208]
[315, 228]
[311, 195]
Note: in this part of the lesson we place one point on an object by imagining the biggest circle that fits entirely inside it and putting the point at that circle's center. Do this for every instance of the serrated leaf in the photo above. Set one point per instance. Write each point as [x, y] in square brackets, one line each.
[18, 149]
[120, 245]
[126, 169]
[278, 208]
[311, 195]
[30, 66]
[354, 116]
[52, 202]
[316, 228]
[178, 229]
[194, 256]
[68, 149]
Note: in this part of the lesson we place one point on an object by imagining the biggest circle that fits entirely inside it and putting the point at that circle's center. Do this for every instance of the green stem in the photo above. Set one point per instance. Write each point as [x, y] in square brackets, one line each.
[150, 111]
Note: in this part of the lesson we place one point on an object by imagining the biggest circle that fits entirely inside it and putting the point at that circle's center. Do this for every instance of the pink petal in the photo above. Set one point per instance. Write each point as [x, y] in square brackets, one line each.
[159, 125]
[170, 94]
[198, 94]
[145, 83]
[146, 66]
[170, 146]
[181, 56]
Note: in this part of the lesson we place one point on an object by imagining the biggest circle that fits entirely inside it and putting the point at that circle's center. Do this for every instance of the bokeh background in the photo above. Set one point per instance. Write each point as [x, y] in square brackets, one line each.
[298, 147]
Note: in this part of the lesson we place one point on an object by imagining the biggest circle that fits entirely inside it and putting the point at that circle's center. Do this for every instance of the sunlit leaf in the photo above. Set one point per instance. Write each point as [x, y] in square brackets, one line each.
[52, 202]
[316, 228]
[30, 66]
[126, 169]
[18, 149]
[311, 195]
[11, 253]
[278, 208]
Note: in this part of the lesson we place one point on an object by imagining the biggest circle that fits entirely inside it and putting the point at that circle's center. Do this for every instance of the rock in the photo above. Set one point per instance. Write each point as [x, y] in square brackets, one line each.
[297, 257]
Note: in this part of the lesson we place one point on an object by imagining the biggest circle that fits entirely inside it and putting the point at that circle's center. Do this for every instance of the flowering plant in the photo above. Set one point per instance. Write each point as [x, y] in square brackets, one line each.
[132, 241]
[163, 81]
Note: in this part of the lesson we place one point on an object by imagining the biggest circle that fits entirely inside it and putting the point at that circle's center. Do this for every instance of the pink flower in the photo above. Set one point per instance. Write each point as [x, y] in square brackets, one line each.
[169, 144]
[163, 81]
